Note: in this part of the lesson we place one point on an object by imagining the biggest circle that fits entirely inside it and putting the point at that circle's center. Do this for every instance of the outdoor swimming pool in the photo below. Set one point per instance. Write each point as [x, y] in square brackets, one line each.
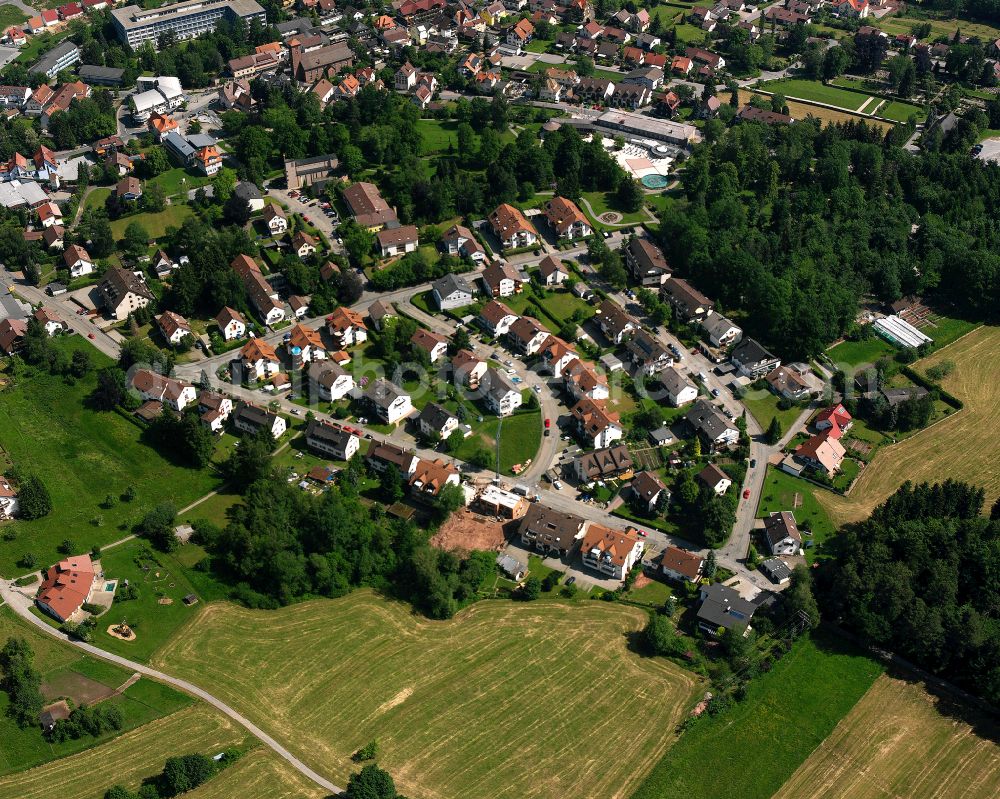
[654, 181]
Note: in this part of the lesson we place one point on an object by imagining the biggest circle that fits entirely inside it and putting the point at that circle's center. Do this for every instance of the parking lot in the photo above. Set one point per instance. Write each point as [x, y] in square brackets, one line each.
[991, 150]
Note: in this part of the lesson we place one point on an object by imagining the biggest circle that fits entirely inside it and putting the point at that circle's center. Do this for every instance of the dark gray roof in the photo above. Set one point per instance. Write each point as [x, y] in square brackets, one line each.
[750, 351]
[894, 396]
[776, 570]
[95, 72]
[779, 526]
[383, 393]
[248, 191]
[707, 419]
[497, 384]
[434, 416]
[254, 416]
[724, 607]
[326, 432]
[675, 382]
[325, 372]
[449, 284]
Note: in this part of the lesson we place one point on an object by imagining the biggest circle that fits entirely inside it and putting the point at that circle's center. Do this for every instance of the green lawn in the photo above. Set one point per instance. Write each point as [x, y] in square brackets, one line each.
[435, 135]
[763, 404]
[83, 456]
[687, 33]
[539, 45]
[519, 439]
[780, 491]
[855, 353]
[601, 202]
[176, 180]
[60, 666]
[900, 111]
[11, 15]
[155, 224]
[561, 304]
[654, 594]
[97, 197]
[212, 509]
[816, 91]
[947, 329]
[751, 750]
[168, 577]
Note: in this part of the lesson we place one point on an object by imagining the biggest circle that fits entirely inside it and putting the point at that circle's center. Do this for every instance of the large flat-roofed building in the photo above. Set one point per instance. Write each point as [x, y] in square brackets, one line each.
[186, 20]
[60, 57]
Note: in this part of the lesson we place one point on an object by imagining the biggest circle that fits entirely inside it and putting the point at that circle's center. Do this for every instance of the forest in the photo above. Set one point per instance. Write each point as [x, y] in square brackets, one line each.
[920, 577]
[792, 225]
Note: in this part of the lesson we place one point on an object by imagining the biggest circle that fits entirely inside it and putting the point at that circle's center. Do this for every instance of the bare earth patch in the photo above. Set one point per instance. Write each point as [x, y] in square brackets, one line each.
[465, 531]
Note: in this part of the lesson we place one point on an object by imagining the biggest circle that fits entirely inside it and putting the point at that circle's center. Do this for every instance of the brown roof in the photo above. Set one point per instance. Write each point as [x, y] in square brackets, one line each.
[227, 315]
[76, 253]
[256, 350]
[687, 564]
[552, 528]
[426, 340]
[605, 462]
[497, 271]
[366, 204]
[526, 328]
[302, 337]
[594, 417]
[396, 236]
[549, 265]
[431, 476]
[616, 543]
[494, 311]
[343, 318]
[612, 316]
[171, 322]
[12, 331]
[507, 219]
[647, 485]
[712, 474]
[67, 585]
[563, 213]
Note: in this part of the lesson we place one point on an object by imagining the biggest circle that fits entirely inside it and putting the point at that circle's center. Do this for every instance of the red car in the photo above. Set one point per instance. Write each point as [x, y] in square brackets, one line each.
[746, 493]
[548, 423]
[90, 335]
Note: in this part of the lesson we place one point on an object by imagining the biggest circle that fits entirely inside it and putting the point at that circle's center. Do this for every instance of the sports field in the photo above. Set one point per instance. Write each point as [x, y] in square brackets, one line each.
[896, 743]
[825, 115]
[959, 446]
[506, 700]
[258, 774]
[816, 91]
[128, 759]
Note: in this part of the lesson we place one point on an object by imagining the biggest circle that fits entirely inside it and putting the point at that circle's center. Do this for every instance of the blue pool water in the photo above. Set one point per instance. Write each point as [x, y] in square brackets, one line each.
[654, 181]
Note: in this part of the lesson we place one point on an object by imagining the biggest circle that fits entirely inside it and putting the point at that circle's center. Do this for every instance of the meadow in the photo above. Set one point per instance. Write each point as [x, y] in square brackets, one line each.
[505, 700]
[259, 773]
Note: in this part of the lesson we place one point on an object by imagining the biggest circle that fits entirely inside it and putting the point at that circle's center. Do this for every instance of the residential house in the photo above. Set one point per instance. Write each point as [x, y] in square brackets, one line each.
[823, 452]
[156, 387]
[370, 211]
[252, 419]
[689, 303]
[551, 91]
[836, 419]
[275, 219]
[597, 425]
[499, 392]
[12, 333]
[459, 241]
[173, 327]
[646, 262]
[853, 9]
[680, 390]
[467, 369]
[501, 279]
[648, 490]
[231, 324]
[123, 292]
[706, 57]
[680, 565]
[330, 380]
[306, 345]
[512, 228]
[594, 90]
[326, 439]
[435, 421]
[712, 425]
[406, 77]
[752, 360]
[303, 245]
[786, 383]
[556, 355]
[782, 533]
[496, 318]
[721, 332]
[611, 552]
[49, 214]
[566, 219]
[604, 464]
[750, 113]
[250, 194]
[389, 456]
[521, 33]
[389, 402]
[54, 237]
[630, 95]
[649, 77]
[346, 327]
[379, 312]
[66, 586]
[451, 291]
[582, 380]
[128, 189]
[78, 261]
[526, 336]
[647, 355]
[429, 477]
[431, 344]
[397, 241]
[50, 321]
[716, 479]
[215, 409]
[258, 360]
[263, 296]
[299, 305]
[551, 271]
[551, 532]
[615, 323]
[722, 608]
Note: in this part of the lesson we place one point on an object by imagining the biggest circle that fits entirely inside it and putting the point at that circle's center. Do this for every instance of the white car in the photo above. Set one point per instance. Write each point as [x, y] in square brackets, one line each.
[557, 485]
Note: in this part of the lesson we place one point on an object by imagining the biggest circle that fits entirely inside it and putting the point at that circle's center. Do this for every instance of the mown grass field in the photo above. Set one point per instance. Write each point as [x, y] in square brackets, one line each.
[128, 759]
[520, 437]
[763, 405]
[258, 774]
[750, 751]
[11, 15]
[825, 115]
[780, 491]
[896, 742]
[855, 353]
[506, 700]
[961, 446]
[83, 456]
[940, 27]
[62, 668]
[155, 224]
[816, 91]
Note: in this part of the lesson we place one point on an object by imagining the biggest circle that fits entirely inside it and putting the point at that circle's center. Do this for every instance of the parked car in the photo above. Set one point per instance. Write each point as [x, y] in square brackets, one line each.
[557, 485]
[716, 392]
[548, 423]
[746, 493]
[753, 462]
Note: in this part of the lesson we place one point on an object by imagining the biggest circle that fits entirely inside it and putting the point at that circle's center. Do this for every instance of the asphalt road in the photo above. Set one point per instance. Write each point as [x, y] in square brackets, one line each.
[21, 605]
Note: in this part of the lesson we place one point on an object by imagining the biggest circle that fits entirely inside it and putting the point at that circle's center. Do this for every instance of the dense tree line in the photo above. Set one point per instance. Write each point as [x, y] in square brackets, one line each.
[282, 544]
[793, 225]
[21, 681]
[180, 774]
[920, 577]
[93, 721]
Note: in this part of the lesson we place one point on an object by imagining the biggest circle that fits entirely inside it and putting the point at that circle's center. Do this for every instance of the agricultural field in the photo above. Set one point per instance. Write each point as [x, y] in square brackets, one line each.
[955, 447]
[83, 456]
[458, 707]
[258, 774]
[874, 751]
[750, 751]
[128, 759]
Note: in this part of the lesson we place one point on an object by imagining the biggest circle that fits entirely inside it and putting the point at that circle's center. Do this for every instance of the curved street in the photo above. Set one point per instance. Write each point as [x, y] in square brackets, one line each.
[21, 605]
